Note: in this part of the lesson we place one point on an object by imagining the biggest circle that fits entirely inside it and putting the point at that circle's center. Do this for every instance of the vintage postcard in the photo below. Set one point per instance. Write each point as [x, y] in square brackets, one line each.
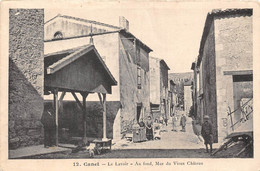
[115, 85]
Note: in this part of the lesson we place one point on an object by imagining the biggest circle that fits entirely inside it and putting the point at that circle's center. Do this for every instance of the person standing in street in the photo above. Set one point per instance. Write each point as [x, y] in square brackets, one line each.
[149, 128]
[48, 121]
[207, 133]
[183, 123]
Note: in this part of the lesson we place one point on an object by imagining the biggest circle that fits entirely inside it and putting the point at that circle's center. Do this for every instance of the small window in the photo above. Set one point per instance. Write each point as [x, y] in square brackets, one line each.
[58, 35]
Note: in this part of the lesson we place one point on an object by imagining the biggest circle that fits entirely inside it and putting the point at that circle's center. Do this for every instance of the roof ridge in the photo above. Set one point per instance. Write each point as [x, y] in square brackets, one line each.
[83, 49]
[69, 56]
[84, 20]
[64, 51]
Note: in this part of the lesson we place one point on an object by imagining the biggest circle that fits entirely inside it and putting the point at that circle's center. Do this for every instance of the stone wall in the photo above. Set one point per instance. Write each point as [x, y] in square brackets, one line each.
[234, 52]
[208, 83]
[25, 77]
[130, 95]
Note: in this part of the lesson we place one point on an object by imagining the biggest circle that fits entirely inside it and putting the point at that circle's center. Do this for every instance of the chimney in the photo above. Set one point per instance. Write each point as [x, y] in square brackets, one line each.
[123, 23]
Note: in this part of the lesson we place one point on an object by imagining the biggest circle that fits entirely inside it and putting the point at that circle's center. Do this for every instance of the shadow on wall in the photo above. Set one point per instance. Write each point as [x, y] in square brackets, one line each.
[70, 117]
[25, 110]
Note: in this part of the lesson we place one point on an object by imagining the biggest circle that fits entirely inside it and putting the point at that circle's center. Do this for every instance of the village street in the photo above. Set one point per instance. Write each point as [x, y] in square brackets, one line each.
[172, 145]
[100, 92]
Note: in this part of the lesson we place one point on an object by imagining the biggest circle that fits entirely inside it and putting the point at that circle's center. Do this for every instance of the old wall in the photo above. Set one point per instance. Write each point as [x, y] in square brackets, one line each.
[234, 44]
[130, 95]
[208, 84]
[164, 90]
[25, 77]
[154, 65]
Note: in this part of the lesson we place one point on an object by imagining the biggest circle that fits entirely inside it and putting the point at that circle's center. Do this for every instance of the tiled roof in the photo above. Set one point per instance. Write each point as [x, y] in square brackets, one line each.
[231, 11]
[77, 53]
[66, 51]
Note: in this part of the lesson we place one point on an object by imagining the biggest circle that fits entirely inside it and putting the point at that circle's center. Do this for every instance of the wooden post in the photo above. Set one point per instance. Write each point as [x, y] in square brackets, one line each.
[56, 104]
[104, 118]
[84, 96]
[61, 101]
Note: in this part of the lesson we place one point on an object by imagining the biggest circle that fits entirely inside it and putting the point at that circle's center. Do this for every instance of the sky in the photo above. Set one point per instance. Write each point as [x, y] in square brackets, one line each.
[174, 33]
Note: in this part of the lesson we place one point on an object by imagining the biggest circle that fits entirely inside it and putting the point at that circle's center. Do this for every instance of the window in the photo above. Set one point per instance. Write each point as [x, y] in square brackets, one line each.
[139, 86]
[58, 35]
[241, 78]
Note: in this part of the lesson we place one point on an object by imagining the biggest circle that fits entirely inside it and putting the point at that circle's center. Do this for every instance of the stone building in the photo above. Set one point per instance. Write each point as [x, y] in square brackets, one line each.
[125, 55]
[159, 97]
[224, 69]
[26, 65]
[179, 79]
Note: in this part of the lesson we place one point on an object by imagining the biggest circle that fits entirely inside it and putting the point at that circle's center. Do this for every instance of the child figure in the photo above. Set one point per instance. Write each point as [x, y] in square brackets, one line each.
[157, 130]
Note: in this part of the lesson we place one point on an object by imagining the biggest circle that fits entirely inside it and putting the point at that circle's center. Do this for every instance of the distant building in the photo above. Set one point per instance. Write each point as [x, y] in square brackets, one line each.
[187, 97]
[125, 55]
[179, 79]
[159, 98]
[223, 80]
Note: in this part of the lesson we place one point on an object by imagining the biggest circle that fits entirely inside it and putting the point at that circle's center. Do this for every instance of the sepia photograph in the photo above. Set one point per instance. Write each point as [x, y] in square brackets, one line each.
[158, 81]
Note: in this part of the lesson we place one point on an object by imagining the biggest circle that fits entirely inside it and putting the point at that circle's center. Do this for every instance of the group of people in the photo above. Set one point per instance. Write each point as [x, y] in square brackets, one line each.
[182, 123]
[153, 128]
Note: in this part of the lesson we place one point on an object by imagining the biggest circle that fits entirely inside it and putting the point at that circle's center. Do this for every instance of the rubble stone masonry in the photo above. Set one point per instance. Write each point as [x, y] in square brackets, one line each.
[234, 46]
[26, 75]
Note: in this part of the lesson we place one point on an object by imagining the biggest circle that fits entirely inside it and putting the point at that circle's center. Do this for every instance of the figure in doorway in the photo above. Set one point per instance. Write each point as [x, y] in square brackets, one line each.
[48, 121]
[149, 128]
[207, 133]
